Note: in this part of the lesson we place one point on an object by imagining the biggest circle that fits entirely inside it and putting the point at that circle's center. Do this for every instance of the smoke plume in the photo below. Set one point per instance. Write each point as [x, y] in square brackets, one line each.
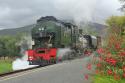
[22, 63]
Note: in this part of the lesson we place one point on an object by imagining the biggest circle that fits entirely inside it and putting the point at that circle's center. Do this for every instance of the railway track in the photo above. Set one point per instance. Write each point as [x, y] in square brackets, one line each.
[22, 70]
[18, 71]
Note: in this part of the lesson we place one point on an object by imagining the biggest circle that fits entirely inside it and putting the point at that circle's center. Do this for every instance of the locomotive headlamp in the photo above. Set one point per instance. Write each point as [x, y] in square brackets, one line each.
[30, 57]
[40, 29]
[33, 42]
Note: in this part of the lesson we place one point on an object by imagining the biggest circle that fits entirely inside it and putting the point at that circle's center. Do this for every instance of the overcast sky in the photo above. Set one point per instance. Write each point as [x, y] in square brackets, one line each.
[17, 13]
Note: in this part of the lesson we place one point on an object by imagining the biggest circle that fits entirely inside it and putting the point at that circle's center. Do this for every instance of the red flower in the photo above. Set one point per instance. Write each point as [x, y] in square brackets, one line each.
[113, 62]
[100, 50]
[122, 54]
[89, 66]
[123, 68]
[98, 65]
[117, 46]
[87, 53]
[86, 77]
[97, 71]
[123, 75]
[109, 72]
[107, 60]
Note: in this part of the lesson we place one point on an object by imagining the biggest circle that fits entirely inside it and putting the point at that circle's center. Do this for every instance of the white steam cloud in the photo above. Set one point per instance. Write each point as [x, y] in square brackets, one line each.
[22, 63]
[78, 10]
[86, 10]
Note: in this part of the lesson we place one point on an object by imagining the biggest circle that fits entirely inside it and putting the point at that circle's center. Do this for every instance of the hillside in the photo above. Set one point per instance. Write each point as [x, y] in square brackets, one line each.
[27, 29]
[14, 31]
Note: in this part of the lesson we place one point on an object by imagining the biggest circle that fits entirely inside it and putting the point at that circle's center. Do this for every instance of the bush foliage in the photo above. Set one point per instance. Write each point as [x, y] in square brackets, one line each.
[112, 57]
[9, 46]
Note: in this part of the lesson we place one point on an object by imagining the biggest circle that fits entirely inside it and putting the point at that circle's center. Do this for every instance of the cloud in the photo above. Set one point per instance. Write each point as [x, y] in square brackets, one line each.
[17, 13]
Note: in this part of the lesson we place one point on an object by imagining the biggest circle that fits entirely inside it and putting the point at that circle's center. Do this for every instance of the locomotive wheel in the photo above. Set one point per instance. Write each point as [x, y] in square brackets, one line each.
[43, 63]
[30, 63]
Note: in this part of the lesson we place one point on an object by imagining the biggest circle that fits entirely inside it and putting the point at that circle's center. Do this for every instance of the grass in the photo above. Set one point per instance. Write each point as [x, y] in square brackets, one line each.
[5, 66]
[107, 79]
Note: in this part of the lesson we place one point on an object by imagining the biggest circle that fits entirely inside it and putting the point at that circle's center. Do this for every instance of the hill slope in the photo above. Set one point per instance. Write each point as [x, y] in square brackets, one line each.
[27, 29]
[14, 31]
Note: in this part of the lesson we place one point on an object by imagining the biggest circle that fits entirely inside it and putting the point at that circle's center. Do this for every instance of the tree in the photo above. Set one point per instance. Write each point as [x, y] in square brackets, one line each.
[2, 49]
[123, 5]
[116, 24]
[8, 46]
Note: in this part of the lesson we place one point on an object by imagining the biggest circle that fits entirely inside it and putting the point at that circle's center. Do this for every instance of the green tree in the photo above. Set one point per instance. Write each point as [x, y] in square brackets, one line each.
[123, 5]
[116, 24]
[2, 49]
[8, 46]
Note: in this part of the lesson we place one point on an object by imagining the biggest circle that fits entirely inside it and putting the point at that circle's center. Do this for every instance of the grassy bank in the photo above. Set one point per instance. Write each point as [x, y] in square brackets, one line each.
[107, 79]
[5, 66]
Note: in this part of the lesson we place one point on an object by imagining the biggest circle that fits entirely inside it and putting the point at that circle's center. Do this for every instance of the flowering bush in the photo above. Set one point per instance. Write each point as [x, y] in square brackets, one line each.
[110, 59]
[112, 56]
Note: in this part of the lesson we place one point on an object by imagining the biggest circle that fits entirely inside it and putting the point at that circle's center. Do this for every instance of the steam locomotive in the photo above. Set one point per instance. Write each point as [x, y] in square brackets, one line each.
[50, 36]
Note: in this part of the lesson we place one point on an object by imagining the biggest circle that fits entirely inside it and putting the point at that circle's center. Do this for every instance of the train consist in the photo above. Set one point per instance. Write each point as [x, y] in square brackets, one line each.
[50, 36]
[90, 42]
